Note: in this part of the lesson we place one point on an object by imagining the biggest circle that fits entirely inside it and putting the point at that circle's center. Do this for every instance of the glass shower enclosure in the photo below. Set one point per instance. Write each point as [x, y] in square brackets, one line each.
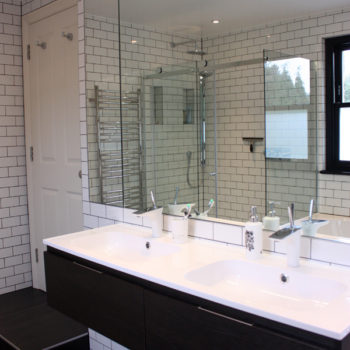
[170, 109]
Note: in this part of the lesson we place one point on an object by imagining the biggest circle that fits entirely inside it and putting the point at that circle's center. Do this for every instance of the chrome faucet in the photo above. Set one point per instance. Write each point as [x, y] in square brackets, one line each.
[206, 212]
[286, 231]
[310, 225]
[187, 211]
[154, 215]
[291, 235]
[143, 211]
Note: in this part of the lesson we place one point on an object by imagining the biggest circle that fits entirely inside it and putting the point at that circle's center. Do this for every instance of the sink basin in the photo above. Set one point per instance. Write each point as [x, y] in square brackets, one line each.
[256, 281]
[124, 246]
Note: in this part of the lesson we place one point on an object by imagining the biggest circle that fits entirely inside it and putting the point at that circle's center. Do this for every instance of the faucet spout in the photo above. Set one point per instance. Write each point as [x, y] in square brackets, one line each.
[154, 216]
[287, 231]
[291, 235]
[310, 225]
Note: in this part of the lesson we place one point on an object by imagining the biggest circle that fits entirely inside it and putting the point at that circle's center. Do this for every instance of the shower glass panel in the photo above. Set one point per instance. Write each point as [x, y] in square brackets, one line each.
[207, 145]
[234, 110]
[172, 146]
[290, 132]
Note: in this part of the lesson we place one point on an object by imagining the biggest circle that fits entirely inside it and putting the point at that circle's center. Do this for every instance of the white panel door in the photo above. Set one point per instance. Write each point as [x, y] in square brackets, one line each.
[52, 94]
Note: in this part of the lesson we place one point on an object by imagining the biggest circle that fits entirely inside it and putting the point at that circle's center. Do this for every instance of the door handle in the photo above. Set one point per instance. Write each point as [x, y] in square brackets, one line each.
[80, 174]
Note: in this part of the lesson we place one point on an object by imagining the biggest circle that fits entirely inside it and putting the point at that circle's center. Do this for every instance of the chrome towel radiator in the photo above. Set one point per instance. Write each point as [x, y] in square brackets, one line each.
[119, 147]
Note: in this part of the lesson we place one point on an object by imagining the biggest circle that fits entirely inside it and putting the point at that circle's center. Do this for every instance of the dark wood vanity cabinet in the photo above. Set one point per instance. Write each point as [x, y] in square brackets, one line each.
[173, 324]
[142, 315]
[109, 305]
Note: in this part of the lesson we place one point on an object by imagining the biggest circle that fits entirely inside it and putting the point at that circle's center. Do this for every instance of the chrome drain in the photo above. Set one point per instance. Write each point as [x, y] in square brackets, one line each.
[284, 278]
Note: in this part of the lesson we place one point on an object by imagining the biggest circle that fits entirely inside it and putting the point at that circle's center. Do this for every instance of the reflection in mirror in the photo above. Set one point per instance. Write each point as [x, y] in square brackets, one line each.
[291, 132]
[185, 115]
[119, 141]
[103, 108]
[171, 135]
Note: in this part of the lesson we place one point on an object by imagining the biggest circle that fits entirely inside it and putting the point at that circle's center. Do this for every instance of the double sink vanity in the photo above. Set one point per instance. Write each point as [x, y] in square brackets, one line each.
[151, 293]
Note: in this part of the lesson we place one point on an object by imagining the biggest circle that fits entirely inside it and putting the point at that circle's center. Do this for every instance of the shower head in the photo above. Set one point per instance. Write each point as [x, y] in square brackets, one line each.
[199, 52]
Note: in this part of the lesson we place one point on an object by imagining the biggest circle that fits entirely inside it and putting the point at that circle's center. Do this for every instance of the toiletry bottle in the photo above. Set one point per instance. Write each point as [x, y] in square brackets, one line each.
[271, 222]
[253, 235]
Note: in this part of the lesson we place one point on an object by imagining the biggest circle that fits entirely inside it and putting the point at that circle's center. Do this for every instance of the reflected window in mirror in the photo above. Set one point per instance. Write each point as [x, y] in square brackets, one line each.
[287, 92]
[338, 104]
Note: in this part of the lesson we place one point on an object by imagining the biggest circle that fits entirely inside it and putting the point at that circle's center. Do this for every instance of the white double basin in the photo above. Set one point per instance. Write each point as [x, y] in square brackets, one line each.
[313, 297]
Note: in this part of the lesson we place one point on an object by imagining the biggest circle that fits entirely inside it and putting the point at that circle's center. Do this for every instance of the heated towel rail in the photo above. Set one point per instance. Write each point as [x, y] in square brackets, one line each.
[119, 138]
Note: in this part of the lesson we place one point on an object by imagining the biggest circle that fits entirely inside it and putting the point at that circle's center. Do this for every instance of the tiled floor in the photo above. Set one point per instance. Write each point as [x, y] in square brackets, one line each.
[28, 323]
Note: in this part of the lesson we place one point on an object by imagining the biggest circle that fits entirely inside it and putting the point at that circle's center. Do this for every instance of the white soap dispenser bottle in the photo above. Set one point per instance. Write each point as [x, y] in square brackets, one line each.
[253, 235]
[271, 222]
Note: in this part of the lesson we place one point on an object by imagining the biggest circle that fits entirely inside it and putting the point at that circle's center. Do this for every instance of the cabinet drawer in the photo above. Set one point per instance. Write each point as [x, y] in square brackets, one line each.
[103, 302]
[173, 324]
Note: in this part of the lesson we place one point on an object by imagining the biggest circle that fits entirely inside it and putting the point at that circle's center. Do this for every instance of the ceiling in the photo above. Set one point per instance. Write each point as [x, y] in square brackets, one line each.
[195, 16]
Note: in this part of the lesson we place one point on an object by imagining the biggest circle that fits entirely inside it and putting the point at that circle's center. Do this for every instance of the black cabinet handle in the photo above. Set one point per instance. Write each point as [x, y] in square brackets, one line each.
[88, 268]
[224, 316]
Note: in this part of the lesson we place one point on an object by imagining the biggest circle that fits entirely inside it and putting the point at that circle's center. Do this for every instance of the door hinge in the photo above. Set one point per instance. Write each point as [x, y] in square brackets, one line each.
[36, 255]
[32, 153]
[28, 52]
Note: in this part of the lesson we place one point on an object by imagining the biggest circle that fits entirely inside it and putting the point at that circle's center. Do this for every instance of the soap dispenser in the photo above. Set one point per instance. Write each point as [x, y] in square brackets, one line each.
[253, 235]
[271, 222]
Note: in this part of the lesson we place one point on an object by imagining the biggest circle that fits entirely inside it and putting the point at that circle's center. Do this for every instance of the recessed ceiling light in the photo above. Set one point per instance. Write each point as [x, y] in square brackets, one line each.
[134, 41]
[215, 21]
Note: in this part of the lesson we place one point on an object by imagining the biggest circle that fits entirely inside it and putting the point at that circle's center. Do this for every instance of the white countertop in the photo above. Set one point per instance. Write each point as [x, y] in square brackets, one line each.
[316, 299]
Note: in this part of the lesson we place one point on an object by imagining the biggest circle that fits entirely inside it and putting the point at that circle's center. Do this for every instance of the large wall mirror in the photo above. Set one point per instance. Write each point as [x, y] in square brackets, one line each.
[168, 112]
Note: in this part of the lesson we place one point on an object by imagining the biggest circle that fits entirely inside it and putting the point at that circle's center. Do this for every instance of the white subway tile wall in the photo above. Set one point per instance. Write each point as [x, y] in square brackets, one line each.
[15, 264]
[228, 233]
[100, 342]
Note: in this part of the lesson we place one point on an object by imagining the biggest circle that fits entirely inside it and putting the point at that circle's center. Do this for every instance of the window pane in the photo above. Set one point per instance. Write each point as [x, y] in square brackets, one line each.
[286, 134]
[344, 132]
[287, 82]
[346, 75]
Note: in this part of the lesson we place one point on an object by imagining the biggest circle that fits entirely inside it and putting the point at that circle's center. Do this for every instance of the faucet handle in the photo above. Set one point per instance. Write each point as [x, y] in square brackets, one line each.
[187, 210]
[153, 201]
[291, 215]
[311, 209]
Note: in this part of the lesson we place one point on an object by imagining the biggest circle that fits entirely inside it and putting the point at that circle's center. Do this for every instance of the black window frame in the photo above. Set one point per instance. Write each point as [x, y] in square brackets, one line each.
[333, 64]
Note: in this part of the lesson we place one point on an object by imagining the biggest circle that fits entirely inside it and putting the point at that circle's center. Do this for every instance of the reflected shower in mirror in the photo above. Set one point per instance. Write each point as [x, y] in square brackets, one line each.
[171, 130]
